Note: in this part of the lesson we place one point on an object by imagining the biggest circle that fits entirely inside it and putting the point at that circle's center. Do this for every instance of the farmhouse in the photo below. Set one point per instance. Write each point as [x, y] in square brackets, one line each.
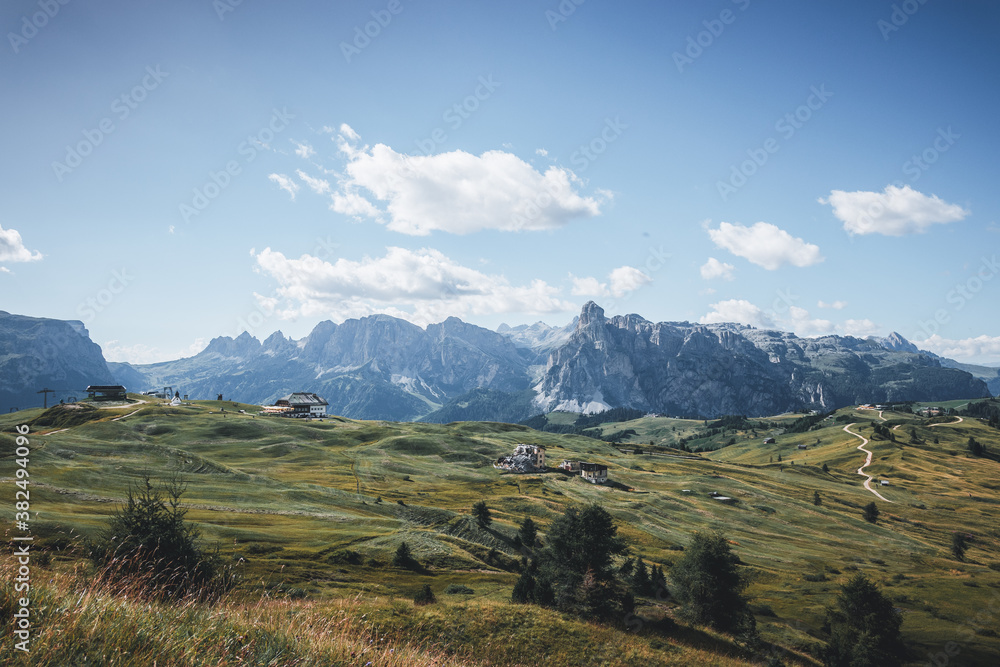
[526, 458]
[571, 466]
[102, 392]
[595, 473]
[299, 404]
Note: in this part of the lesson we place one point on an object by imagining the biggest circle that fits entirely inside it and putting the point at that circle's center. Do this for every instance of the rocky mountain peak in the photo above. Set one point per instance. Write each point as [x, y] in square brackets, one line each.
[592, 314]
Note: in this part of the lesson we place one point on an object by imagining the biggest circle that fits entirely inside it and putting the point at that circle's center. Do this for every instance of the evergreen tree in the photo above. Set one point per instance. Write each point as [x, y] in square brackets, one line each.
[826, 468]
[864, 628]
[975, 447]
[816, 499]
[709, 586]
[403, 557]
[659, 583]
[482, 514]
[148, 542]
[626, 569]
[959, 544]
[582, 542]
[871, 512]
[524, 589]
[528, 532]
[640, 579]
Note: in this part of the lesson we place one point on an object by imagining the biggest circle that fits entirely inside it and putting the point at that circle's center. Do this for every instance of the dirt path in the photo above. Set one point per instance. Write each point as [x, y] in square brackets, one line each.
[960, 420]
[128, 415]
[868, 462]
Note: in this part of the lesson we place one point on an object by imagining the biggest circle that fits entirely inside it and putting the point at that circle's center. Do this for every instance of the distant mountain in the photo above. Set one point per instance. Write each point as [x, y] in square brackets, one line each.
[716, 369]
[38, 353]
[381, 367]
[377, 367]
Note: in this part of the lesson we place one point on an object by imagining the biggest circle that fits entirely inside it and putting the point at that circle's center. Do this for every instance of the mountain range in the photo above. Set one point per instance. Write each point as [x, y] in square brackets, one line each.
[381, 367]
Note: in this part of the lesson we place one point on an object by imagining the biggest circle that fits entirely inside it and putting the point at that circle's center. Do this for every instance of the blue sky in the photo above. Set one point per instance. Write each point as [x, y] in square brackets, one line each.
[176, 172]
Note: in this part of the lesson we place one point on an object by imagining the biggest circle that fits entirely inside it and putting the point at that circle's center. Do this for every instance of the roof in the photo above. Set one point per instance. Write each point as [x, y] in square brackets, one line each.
[109, 388]
[593, 467]
[303, 398]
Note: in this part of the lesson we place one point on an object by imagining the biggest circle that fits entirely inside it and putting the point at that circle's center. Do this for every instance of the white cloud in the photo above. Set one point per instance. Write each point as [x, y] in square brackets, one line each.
[836, 305]
[893, 212]
[802, 324]
[4, 269]
[591, 287]
[713, 268]
[353, 204]
[422, 286]
[285, 183]
[979, 350]
[12, 247]
[348, 132]
[627, 279]
[456, 192]
[541, 151]
[317, 185]
[860, 328]
[621, 281]
[765, 245]
[738, 310]
[304, 150]
[141, 353]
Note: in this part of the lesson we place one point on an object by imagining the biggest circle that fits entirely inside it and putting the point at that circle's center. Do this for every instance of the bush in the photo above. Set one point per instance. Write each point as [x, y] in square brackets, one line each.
[424, 596]
[458, 589]
[148, 543]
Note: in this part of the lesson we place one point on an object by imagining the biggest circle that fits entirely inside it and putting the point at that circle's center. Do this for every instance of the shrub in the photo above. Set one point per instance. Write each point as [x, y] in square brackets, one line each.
[148, 543]
[403, 557]
[424, 596]
[458, 589]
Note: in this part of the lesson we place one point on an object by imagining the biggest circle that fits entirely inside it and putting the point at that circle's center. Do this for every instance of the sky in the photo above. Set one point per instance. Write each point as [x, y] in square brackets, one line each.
[173, 172]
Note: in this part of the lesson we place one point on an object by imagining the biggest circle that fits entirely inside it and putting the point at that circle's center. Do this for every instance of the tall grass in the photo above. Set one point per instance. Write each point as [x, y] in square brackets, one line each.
[78, 619]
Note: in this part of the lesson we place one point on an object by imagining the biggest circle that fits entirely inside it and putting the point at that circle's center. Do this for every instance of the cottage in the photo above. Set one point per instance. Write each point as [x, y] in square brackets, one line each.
[595, 473]
[302, 404]
[102, 392]
[571, 466]
[884, 482]
[768, 441]
[802, 446]
[526, 458]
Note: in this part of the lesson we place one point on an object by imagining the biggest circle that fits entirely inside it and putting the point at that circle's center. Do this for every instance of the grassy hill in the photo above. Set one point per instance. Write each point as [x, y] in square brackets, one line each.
[311, 513]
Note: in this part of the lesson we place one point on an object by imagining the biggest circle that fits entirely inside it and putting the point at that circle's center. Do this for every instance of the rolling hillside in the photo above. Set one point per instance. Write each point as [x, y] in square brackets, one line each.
[316, 509]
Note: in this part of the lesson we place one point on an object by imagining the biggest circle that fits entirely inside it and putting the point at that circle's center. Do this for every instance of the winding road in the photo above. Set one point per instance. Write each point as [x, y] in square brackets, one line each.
[868, 462]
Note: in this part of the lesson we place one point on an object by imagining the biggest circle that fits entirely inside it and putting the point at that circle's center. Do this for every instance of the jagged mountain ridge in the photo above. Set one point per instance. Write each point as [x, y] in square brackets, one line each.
[381, 367]
[714, 369]
[38, 353]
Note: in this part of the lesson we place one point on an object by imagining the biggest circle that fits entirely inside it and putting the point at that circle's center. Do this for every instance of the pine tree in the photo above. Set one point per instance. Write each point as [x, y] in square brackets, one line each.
[871, 512]
[482, 514]
[865, 628]
[640, 579]
[959, 544]
[816, 499]
[403, 557]
[709, 586]
[528, 532]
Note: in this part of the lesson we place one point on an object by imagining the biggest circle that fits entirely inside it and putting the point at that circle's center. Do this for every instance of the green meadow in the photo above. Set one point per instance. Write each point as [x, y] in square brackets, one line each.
[310, 513]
